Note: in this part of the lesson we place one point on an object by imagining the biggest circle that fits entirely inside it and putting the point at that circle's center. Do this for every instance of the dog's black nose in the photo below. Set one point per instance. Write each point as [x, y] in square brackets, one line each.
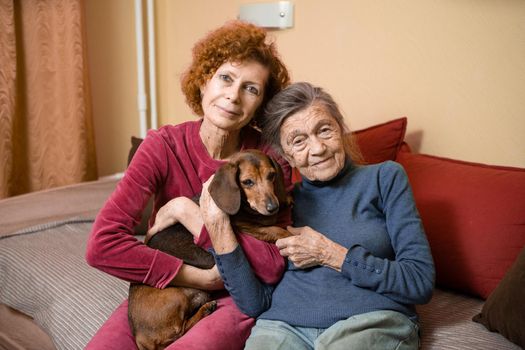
[272, 207]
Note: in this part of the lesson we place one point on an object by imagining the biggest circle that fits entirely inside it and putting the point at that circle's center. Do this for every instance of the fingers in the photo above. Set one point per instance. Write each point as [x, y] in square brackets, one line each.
[162, 220]
[301, 259]
[148, 237]
[281, 243]
[295, 230]
[304, 248]
[303, 262]
[284, 242]
[289, 246]
[153, 230]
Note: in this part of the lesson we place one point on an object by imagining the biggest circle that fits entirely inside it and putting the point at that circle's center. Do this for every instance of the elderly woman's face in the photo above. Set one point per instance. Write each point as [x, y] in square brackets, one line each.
[312, 141]
[233, 94]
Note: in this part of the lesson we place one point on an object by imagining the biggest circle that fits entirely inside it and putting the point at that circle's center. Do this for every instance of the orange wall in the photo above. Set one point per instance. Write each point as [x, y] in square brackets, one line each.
[456, 68]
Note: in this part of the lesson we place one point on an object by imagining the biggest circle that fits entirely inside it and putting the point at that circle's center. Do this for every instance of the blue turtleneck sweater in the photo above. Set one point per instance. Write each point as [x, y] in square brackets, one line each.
[371, 211]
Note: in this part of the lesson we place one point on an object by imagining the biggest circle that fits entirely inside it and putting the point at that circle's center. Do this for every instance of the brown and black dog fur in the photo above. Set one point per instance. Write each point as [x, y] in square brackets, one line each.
[250, 188]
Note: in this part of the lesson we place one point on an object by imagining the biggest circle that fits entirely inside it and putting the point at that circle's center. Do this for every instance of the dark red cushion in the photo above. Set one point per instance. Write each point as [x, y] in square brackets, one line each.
[474, 217]
[381, 142]
[142, 226]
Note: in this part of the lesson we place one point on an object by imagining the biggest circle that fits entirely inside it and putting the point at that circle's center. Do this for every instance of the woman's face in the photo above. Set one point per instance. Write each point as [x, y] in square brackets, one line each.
[312, 141]
[233, 94]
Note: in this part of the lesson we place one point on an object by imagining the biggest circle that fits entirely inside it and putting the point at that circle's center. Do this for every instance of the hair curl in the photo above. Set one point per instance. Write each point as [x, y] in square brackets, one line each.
[235, 41]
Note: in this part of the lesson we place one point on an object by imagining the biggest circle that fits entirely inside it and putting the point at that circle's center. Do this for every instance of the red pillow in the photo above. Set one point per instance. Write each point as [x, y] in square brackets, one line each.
[474, 218]
[377, 143]
[381, 142]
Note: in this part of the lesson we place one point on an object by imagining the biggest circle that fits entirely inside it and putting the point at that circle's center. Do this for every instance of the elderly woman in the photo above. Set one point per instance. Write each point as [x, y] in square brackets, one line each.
[235, 70]
[359, 259]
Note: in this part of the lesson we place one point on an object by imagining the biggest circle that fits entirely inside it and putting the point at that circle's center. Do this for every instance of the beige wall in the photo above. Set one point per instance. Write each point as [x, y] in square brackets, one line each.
[112, 64]
[455, 68]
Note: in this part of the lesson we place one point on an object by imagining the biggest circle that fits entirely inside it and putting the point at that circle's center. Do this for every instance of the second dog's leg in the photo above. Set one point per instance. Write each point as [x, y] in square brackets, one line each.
[203, 311]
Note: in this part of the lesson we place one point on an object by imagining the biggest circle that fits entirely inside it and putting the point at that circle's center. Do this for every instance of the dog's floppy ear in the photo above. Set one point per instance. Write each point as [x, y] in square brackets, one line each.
[224, 189]
[280, 192]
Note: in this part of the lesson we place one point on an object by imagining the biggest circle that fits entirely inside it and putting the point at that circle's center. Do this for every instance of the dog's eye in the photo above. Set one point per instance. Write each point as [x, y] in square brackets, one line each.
[271, 176]
[247, 182]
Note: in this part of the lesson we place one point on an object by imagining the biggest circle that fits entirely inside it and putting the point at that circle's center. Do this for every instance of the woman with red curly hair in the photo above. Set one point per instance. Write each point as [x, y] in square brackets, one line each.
[234, 72]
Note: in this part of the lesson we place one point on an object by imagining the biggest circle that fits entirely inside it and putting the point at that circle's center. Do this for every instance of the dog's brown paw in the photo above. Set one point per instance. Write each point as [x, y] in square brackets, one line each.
[209, 307]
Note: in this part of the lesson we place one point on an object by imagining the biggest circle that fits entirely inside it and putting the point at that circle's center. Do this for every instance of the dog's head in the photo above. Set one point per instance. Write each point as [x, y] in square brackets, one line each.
[252, 177]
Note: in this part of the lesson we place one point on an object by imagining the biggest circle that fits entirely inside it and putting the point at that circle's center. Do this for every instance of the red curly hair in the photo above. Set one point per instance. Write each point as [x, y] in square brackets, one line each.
[236, 41]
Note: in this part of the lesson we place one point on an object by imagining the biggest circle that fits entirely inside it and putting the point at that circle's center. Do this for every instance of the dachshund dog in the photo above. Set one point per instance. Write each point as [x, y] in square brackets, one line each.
[249, 188]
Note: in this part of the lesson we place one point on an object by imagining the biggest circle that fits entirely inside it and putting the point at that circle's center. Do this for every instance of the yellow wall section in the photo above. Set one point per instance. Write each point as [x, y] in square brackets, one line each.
[455, 68]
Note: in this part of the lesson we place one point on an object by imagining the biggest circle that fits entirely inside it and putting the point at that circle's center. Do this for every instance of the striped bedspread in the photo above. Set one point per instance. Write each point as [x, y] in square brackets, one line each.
[45, 276]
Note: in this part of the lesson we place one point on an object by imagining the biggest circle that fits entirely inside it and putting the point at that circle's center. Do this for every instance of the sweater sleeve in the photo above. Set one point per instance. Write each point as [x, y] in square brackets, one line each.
[409, 278]
[250, 273]
[250, 295]
[111, 246]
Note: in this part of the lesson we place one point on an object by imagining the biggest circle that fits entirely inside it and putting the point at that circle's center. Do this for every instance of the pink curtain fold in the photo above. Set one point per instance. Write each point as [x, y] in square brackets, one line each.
[46, 126]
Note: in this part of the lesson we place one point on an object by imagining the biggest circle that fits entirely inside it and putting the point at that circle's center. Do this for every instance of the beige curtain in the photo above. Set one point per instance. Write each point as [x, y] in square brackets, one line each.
[46, 128]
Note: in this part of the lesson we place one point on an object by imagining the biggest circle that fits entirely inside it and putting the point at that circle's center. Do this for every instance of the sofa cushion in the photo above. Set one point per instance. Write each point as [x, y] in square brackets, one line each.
[504, 310]
[142, 227]
[473, 215]
[381, 142]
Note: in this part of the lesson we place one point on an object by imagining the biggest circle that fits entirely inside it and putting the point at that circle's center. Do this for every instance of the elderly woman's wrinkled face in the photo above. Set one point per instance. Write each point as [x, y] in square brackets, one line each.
[312, 141]
[233, 94]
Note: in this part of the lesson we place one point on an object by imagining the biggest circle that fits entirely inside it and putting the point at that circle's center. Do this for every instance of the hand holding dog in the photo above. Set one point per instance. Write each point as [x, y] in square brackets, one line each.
[307, 248]
[210, 212]
[217, 222]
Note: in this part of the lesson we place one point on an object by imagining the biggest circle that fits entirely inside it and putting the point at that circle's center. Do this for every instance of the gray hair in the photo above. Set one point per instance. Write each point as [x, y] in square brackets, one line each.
[295, 98]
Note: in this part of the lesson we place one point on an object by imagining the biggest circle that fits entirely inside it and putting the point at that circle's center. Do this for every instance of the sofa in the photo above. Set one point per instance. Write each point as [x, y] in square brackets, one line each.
[473, 214]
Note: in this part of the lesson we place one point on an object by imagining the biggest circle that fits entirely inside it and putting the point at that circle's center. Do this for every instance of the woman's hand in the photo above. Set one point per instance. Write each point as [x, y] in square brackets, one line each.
[210, 212]
[217, 222]
[307, 248]
[180, 209]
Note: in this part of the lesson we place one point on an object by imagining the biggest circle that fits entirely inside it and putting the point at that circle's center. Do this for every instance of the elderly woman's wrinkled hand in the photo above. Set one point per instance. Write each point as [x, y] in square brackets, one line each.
[307, 248]
[217, 222]
[209, 210]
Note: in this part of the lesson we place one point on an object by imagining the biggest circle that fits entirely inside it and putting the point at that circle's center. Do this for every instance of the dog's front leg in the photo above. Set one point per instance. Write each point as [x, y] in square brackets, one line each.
[266, 233]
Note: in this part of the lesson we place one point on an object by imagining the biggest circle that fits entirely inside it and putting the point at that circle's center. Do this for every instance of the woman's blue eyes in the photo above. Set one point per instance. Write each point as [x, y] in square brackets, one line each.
[225, 77]
[250, 88]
